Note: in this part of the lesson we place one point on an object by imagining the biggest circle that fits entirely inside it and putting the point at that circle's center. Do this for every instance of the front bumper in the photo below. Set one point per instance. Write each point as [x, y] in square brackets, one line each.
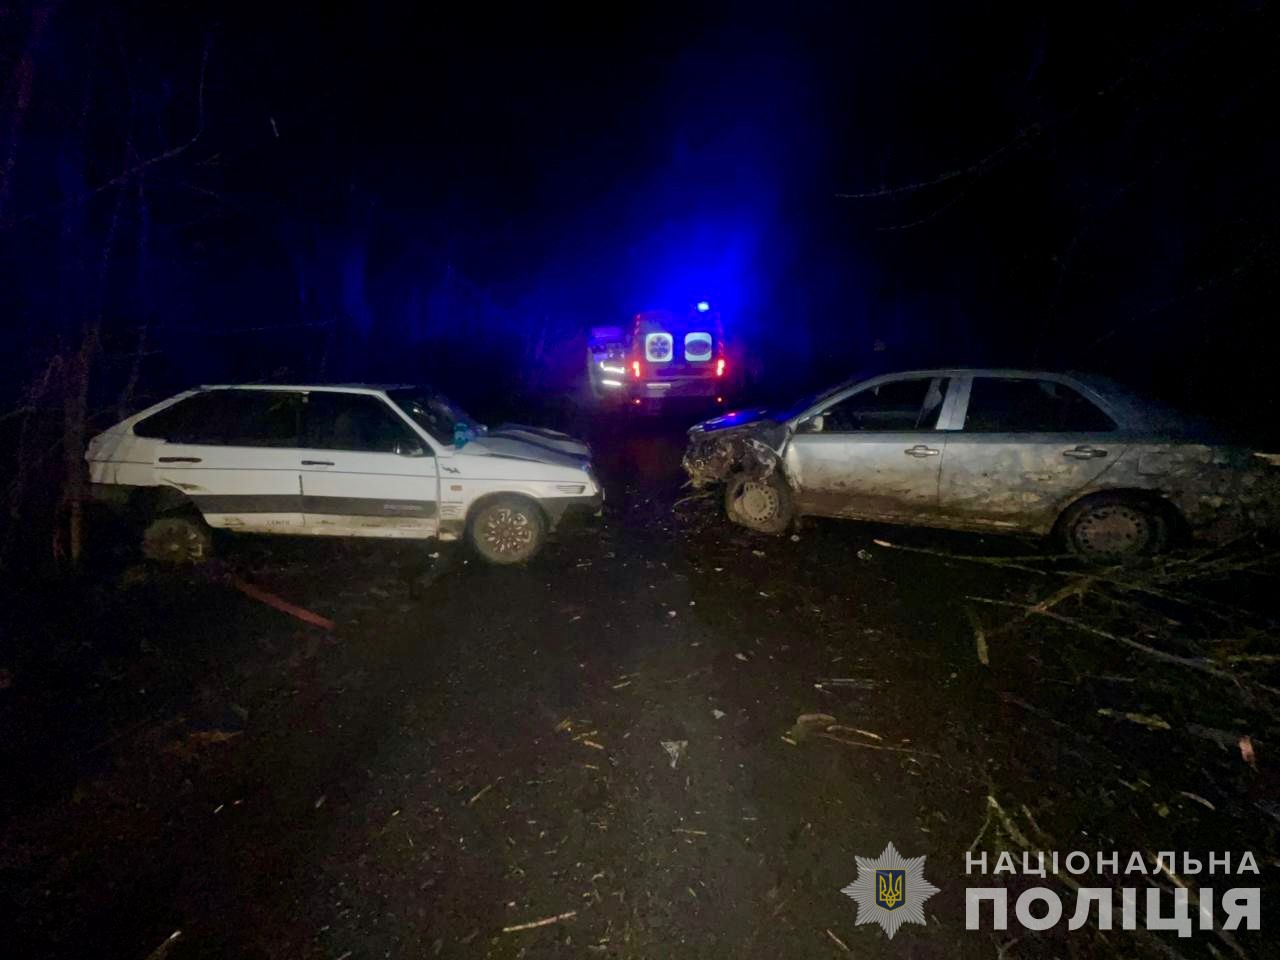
[560, 509]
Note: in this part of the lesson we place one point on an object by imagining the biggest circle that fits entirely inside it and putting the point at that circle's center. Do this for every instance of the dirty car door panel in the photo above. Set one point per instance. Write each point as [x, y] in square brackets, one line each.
[1028, 447]
[230, 452]
[874, 453]
[364, 471]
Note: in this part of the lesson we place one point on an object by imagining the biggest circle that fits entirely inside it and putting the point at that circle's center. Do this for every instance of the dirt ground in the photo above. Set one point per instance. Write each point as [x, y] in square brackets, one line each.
[473, 748]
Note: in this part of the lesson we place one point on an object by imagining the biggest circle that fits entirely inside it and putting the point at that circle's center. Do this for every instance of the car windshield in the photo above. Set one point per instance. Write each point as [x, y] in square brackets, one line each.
[782, 414]
[436, 413]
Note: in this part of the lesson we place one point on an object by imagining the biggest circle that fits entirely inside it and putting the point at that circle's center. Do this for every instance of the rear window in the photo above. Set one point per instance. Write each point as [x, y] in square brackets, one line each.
[658, 347]
[1000, 405]
[235, 418]
[697, 347]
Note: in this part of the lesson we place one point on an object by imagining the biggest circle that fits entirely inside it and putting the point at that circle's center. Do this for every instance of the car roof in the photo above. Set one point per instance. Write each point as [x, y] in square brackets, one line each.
[314, 387]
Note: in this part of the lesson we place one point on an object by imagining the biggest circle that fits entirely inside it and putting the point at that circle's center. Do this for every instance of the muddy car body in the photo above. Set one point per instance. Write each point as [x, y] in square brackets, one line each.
[988, 450]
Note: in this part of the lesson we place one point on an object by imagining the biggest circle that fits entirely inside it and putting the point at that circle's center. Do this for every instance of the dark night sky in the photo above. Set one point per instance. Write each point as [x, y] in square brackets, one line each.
[423, 188]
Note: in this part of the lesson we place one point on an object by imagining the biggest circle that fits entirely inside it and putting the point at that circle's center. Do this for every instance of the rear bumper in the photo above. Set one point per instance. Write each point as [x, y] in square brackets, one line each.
[681, 387]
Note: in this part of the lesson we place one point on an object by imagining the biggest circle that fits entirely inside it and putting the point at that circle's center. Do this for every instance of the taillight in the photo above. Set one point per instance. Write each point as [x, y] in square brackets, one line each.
[720, 367]
[635, 369]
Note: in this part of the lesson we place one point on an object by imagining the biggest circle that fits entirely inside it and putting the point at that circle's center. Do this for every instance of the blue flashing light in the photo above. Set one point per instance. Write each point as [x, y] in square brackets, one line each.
[703, 306]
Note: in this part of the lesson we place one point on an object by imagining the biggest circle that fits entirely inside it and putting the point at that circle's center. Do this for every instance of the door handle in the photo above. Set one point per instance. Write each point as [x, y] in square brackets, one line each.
[920, 450]
[1084, 452]
[179, 459]
[317, 463]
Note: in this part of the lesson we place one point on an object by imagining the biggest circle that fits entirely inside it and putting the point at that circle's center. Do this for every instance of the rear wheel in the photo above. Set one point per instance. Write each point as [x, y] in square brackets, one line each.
[508, 530]
[1114, 527]
[177, 540]
[762, 504]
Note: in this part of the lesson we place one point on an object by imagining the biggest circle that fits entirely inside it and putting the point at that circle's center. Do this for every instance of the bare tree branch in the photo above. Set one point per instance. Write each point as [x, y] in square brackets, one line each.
[978, 167]
[125, 175]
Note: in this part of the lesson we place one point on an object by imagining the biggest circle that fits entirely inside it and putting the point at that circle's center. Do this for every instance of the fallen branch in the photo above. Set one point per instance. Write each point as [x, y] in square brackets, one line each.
[544, 922]
[1193, 663]
[876, 746]
[162, 951]
[284, 606]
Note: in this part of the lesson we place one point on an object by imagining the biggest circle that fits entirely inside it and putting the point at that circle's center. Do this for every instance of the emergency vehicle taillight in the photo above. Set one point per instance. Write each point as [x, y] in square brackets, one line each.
[635, 369]
[720, 367]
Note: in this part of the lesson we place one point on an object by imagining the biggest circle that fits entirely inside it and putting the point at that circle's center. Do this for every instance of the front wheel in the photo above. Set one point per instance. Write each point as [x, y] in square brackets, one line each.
[760, 504]
[508, 530]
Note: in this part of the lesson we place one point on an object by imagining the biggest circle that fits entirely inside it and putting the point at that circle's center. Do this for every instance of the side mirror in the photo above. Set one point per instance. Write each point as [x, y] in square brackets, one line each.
[814, 424]
[408, 448]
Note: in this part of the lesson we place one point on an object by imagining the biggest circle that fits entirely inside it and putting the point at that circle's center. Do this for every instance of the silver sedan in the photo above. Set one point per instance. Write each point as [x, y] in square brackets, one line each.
[1012, 451]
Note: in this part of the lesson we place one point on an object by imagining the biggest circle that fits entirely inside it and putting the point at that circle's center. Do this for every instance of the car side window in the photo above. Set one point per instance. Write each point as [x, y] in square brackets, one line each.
[229, 418]
[897, 405]
[354, 421]
[1007, 405]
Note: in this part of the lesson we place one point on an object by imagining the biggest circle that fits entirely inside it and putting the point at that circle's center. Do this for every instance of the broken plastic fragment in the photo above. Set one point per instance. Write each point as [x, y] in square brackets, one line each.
[675, 750]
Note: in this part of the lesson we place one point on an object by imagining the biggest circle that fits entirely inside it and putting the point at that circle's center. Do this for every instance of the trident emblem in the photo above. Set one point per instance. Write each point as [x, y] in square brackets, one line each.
[889, 888]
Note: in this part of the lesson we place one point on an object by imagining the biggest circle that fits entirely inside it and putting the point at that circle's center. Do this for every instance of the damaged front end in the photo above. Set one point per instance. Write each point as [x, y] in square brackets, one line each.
[733, 444]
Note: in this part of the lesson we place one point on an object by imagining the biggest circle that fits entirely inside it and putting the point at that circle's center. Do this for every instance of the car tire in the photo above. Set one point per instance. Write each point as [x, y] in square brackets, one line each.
[762, 504]
[1114, 526]
[177, 540]
[507, 530]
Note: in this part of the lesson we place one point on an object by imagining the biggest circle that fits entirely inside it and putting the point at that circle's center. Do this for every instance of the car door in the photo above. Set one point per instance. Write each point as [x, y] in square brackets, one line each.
[1027, 446]
[365, 471]
[872, 453]
[232, 452]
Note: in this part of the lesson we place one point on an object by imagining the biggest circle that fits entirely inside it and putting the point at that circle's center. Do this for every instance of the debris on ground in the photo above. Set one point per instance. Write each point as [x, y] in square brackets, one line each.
[825, 727]
[544, 922]
[284, 606]
[675, 749]
[1141, 719]
[162, 951]
[807, 723]
[191, 744]
[979, 637]
[1246, 751]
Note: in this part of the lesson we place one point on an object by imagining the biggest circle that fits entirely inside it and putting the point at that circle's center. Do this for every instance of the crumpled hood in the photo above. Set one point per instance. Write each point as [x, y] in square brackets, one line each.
[504, 445]
[734, 418]
[552, 440]
[747, 441]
